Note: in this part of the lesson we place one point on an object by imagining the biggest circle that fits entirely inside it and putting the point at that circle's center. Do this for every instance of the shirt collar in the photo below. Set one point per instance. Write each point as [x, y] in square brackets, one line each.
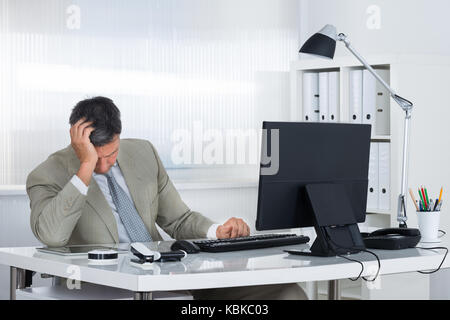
[114, 165]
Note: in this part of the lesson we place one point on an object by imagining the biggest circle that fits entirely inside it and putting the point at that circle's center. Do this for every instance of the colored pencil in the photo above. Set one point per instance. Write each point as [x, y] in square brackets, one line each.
[413, 199]
[440, 194]
[421, 200]
[428, 199]
[424, 199]
[435, 204]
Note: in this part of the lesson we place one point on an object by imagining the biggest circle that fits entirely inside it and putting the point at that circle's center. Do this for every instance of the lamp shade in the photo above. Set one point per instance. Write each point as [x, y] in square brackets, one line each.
[322, 43]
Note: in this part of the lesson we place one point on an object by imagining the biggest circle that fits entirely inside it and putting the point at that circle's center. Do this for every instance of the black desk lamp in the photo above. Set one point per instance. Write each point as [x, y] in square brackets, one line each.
[323, 44]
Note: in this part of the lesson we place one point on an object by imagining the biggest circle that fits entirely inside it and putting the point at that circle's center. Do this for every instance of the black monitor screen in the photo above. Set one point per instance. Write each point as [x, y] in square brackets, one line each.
[297, 154]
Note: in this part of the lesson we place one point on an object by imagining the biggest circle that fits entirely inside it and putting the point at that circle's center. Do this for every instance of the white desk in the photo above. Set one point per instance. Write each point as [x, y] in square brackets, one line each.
[215, 270]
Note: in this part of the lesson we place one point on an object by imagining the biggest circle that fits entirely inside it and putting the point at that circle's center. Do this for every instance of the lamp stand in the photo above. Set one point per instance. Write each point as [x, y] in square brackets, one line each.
[407, 107]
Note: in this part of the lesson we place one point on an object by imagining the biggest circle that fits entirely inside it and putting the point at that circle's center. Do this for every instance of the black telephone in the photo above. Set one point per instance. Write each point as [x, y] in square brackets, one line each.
[392, 238]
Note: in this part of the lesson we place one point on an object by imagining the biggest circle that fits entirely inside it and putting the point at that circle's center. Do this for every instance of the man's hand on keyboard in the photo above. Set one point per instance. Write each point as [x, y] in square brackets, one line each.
[233, 228]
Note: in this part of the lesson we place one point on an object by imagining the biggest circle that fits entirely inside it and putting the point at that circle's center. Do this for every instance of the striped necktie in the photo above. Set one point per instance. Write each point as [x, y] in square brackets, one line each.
[127, 212]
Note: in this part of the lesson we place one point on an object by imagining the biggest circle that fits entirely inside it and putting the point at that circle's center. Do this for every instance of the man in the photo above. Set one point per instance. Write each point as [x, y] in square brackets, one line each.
[102, 189]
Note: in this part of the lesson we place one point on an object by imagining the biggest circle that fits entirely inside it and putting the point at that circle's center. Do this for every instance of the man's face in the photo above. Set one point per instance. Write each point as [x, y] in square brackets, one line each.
[107, 155]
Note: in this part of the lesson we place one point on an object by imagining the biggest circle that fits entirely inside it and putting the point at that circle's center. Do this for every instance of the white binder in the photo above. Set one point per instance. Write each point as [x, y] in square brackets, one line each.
[373, 186]
[369, 99]
[382, 118]
[323, 96]
[355, 105]
[333, 96]
[384, 176]
[310, 96]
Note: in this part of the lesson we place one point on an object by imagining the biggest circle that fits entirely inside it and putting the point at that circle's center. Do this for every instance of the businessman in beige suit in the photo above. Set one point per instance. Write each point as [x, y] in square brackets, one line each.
[102, 189]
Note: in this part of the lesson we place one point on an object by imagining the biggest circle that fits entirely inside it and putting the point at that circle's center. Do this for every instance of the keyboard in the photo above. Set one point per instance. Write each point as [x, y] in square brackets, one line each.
[250, 242]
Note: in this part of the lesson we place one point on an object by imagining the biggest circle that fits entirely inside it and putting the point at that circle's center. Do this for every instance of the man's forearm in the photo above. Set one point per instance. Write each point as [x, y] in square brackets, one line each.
[85, 172]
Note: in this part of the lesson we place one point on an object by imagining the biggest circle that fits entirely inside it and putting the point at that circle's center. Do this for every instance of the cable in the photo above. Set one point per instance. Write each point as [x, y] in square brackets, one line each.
[378, 259]
[353, 260]
[379, 265]
[359, 250]
[434, 248]
[443, 233]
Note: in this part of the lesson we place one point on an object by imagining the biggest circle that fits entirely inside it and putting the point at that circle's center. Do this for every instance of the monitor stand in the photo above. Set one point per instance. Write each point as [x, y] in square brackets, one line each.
[334, 221]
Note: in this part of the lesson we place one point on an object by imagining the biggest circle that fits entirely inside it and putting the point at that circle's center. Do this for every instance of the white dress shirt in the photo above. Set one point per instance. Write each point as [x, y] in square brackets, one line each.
[103, 185]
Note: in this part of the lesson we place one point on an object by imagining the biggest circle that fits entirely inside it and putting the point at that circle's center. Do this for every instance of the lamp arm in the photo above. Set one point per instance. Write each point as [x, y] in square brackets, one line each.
[407, 107]
[342, 37]
[401, 207]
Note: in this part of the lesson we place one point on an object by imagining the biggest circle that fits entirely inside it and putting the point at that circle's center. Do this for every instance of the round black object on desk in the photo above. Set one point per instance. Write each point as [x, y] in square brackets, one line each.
[103, 256]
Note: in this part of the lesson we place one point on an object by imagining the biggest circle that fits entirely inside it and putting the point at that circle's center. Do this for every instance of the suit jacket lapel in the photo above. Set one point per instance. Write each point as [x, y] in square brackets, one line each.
[96, 199]
[134, 181]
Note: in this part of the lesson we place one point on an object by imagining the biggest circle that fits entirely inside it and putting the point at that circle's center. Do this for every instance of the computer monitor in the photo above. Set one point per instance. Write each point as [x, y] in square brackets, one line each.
[296, 155]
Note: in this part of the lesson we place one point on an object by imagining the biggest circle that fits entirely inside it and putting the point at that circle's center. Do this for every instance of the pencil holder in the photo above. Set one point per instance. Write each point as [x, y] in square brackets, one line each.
[429, 226]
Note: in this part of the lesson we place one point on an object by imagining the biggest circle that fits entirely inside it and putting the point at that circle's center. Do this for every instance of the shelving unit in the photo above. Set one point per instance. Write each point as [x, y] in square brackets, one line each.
[344, 66]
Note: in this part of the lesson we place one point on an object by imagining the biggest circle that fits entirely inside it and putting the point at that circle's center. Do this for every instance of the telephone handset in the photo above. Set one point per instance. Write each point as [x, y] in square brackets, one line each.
[392, 238]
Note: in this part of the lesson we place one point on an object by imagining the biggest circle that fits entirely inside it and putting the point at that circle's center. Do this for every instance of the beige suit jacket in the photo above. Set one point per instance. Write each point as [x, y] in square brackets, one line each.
[61, 215]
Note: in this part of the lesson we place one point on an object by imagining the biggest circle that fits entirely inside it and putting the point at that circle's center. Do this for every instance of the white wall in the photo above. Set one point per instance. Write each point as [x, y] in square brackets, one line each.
[405, 26]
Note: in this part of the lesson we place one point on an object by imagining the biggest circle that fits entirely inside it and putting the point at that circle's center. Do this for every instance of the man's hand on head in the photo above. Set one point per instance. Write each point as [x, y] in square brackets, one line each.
[234, 227]
[84, 149]
[79, 136]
